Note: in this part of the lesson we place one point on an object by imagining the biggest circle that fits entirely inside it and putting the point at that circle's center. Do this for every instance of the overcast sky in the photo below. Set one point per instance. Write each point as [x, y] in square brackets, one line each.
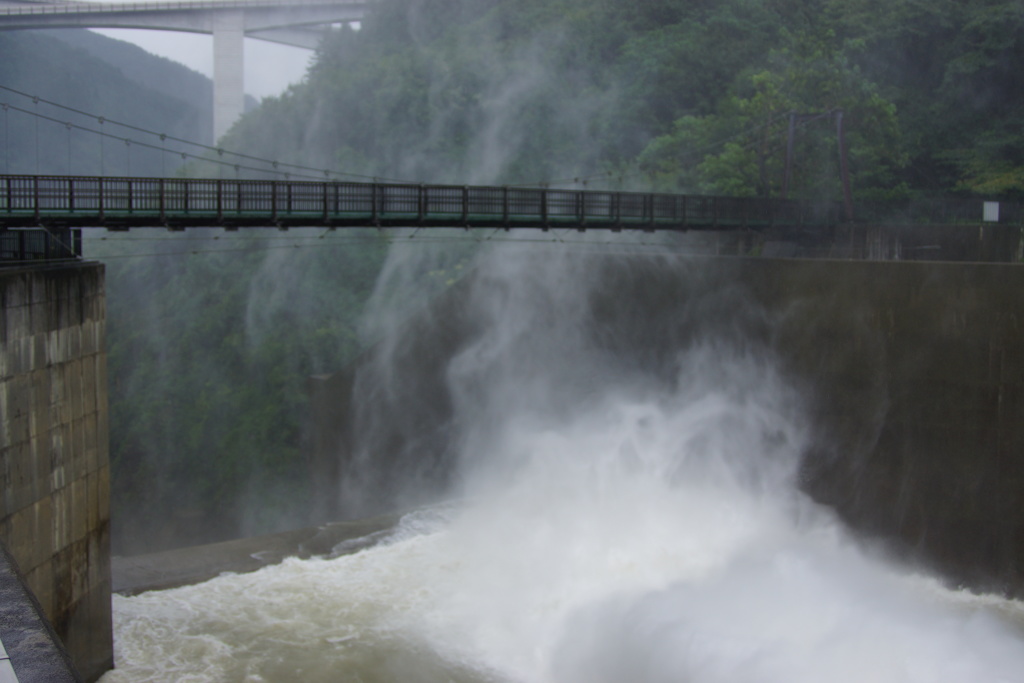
[269, 67]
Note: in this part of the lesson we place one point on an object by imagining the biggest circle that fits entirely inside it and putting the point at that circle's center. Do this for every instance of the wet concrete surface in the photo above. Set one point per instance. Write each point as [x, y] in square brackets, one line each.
[30, 651]
[184, 566]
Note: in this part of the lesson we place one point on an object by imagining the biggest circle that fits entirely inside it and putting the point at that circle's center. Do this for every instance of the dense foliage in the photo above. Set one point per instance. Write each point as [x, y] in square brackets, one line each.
[675, 94]
[211, 339]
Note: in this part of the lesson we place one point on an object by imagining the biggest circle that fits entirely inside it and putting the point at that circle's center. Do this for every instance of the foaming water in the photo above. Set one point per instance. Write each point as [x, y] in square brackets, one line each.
[633, 544]
[642, 532]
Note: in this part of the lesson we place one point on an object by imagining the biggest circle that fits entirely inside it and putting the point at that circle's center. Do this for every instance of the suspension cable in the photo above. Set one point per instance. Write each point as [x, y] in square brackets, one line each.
[305, 172]
[220, 151]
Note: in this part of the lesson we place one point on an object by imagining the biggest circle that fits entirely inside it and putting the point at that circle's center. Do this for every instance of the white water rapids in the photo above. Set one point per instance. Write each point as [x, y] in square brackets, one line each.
[645, 535]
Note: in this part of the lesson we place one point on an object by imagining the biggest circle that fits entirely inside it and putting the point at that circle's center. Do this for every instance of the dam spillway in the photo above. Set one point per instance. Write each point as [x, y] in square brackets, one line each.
[911, 373]
[655, 467]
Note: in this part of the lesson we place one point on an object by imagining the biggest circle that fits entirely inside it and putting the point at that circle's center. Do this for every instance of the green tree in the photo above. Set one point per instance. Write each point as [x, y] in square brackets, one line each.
[741, 148]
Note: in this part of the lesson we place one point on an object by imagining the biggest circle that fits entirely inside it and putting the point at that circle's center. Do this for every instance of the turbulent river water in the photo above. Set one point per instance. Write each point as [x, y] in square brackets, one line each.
[581, 575]
[649, 533]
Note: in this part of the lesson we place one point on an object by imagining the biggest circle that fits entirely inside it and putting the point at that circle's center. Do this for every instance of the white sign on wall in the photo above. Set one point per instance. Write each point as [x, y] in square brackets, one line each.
[990, 212]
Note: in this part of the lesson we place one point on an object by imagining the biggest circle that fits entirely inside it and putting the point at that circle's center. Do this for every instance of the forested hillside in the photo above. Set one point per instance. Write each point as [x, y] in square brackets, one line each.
[674, 94]
[150, 73]
[102, 77]
[211, 336]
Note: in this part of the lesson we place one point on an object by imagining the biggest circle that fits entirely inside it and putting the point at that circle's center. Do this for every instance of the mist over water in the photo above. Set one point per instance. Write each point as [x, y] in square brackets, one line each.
[606, 524]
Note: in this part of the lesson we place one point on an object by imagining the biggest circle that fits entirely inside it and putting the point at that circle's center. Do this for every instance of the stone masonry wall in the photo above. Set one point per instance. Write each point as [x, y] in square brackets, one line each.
[54, 467]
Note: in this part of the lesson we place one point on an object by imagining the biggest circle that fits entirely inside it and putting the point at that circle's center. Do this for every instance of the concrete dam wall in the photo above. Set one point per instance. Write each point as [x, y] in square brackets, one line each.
[54, 469]
[913, 373]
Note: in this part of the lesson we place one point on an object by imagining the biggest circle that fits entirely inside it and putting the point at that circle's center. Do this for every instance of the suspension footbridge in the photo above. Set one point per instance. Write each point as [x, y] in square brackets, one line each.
[63, 205]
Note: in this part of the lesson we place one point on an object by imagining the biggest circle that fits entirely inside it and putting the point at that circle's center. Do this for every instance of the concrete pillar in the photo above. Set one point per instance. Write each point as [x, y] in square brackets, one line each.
[54, 453]
[228, 70]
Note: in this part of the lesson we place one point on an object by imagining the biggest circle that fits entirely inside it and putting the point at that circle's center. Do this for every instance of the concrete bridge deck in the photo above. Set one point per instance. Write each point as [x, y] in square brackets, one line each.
[261, 19]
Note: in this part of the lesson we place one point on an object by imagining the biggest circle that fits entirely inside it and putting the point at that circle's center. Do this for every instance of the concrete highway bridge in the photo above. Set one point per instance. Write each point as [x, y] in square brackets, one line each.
[300, 23]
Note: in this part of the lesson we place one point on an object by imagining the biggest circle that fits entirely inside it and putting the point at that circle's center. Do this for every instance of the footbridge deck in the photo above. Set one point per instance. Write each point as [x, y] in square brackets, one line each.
[178, 203]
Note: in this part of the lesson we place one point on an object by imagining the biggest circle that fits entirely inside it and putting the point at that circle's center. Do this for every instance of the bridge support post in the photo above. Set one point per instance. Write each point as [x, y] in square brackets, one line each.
[228, 70]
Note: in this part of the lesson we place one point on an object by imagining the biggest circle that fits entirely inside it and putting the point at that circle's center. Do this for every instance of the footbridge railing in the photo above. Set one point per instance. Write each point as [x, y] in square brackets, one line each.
[178, 203]
[122, 203]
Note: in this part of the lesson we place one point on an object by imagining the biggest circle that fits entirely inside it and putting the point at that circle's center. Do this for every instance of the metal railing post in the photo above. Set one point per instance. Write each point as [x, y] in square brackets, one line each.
[220, 200]
[161, 201]
[544, 210]
[325, 212]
